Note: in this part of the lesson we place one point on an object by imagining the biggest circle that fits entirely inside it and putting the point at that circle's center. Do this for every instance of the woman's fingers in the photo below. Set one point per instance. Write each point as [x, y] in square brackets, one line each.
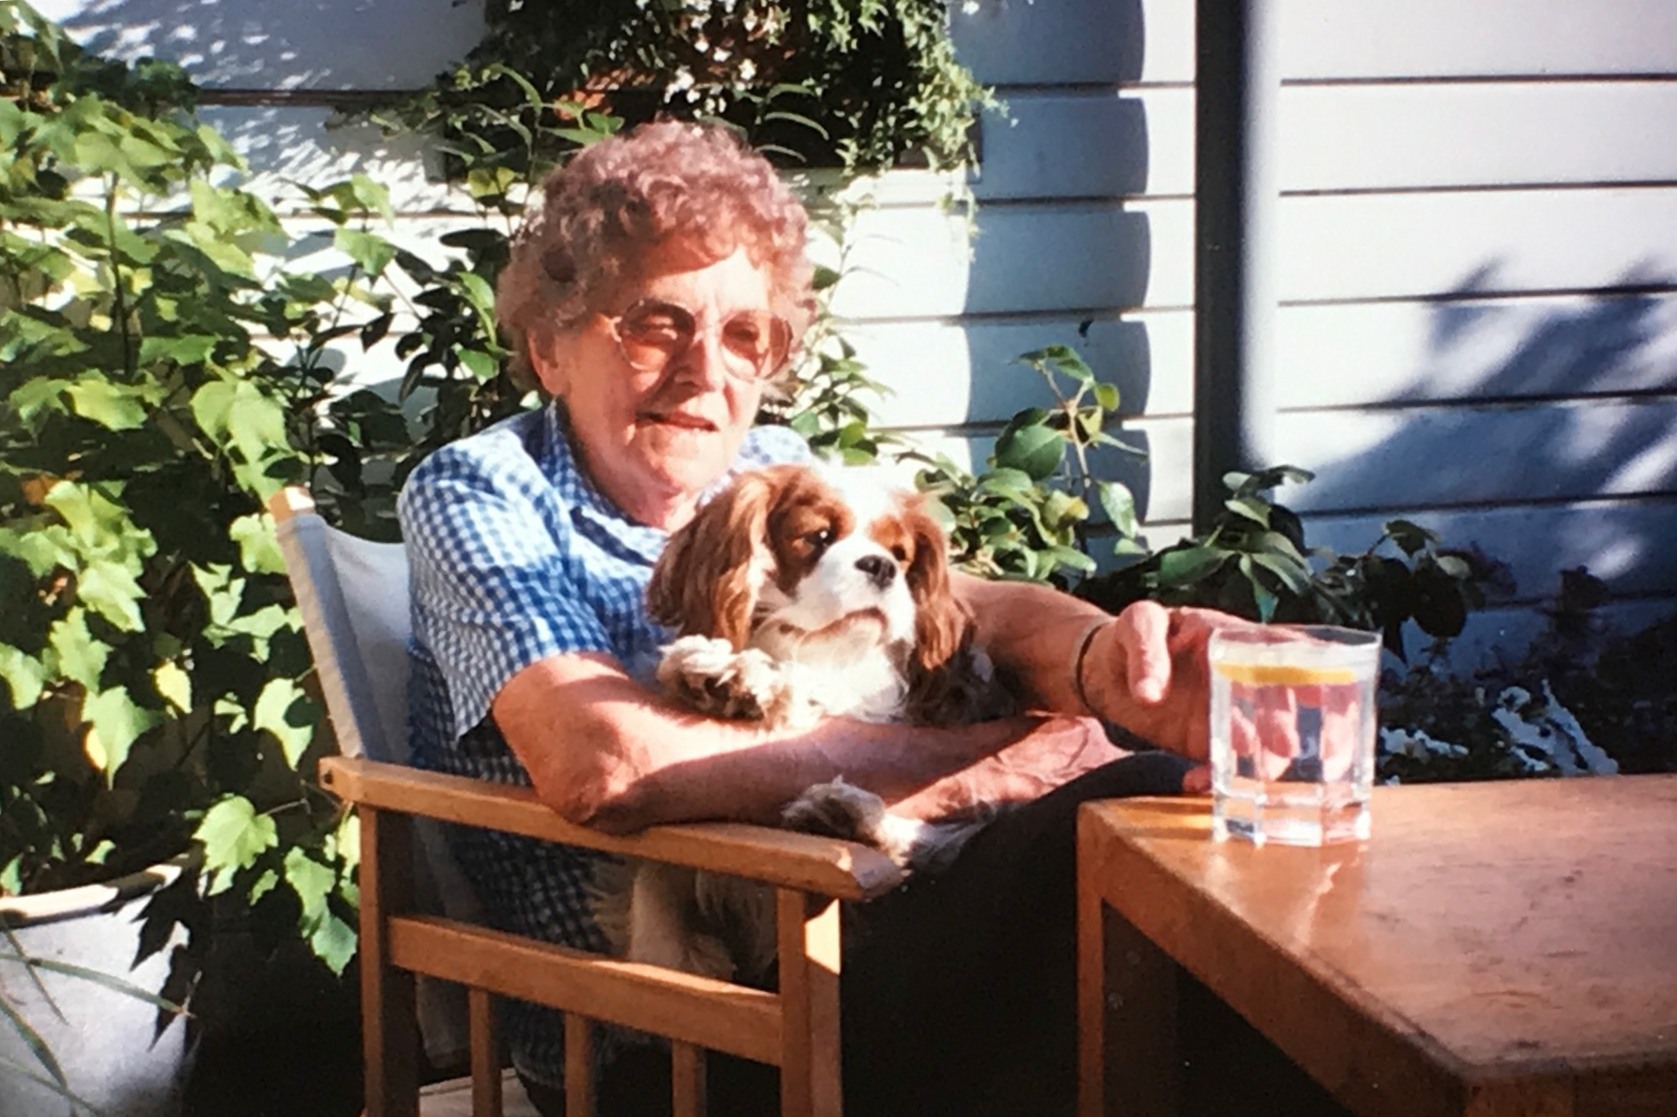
[1144, 630]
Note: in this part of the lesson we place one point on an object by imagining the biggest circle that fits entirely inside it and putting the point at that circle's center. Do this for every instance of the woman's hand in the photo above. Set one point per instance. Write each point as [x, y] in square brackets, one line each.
[1146, 671]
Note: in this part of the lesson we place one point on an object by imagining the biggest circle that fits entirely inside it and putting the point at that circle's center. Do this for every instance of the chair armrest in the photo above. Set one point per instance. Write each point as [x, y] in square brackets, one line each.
[826, 866]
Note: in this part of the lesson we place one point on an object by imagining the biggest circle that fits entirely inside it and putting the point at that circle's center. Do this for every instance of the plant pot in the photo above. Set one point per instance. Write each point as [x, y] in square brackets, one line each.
[101, 1037]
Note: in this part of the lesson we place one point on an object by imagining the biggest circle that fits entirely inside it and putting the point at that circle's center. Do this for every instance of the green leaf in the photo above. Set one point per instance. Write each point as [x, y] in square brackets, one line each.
[188, 349]
[173, 684]
[273, 712]
[234, 835]
[1189, 565]
[24, 674]
[1250, 507]
[76, 655]
[1118, 503]
[115, 723]
[1033, 450]
[334, 942]
[1262, 595]
[1107, 395]
[236, 414]
[259, 551]
[109, 589]
[371, 252]
[312, 882]
[481, 365]
[112, 406]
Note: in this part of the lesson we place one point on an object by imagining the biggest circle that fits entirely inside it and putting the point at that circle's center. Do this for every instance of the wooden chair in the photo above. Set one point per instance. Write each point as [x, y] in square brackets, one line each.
[353, 595]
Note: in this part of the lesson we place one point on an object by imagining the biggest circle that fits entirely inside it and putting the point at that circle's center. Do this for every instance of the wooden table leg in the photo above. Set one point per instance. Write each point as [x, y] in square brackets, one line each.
[1142, 1055]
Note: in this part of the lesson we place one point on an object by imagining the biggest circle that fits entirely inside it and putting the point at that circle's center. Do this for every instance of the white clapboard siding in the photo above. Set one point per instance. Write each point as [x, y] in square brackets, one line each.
[275, 44]
[1362, 40]
[1426, 457]
[1432, 136]
[947, 374]
[1577, 345]
[289, 144]
[402, 44]
[1627, 542]
[1113, 142]
[917, 262]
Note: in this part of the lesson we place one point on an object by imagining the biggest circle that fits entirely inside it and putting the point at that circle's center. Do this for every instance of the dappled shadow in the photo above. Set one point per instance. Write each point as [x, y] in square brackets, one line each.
[281, 44]
[1542, 429]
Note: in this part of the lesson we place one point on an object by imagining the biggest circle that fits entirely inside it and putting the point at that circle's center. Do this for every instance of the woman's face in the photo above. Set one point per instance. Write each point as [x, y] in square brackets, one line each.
[653, 439]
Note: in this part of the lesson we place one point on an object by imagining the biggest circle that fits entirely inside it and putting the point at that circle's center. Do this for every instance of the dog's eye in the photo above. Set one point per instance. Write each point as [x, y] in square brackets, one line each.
[819, 539]
[900, 553]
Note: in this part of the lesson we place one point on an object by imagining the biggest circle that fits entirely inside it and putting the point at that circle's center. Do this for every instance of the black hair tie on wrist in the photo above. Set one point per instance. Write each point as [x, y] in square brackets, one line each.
[1077, 666]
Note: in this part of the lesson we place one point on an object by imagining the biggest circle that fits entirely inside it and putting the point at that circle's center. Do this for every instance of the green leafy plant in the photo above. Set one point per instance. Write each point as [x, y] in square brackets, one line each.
[1254, 562]
[156, 671]
[1029, 514]
[860, 84]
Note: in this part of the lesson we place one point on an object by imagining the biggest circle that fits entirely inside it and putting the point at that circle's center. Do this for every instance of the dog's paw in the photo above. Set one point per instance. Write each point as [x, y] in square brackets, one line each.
[836, 810]
[707, 674]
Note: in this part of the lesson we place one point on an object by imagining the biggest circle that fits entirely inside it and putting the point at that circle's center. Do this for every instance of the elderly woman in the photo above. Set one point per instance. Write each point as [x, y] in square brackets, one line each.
[656, 293]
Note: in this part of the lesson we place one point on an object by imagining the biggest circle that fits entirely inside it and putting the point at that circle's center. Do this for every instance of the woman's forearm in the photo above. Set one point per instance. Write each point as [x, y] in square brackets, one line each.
[606, 752]
[1034, 632]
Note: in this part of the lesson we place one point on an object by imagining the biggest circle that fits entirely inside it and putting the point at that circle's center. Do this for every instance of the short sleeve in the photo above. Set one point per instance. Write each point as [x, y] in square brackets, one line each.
[495, 579]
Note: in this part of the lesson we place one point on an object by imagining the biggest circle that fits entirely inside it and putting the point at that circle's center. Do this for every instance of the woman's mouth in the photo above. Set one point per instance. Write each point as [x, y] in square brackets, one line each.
[681, 421]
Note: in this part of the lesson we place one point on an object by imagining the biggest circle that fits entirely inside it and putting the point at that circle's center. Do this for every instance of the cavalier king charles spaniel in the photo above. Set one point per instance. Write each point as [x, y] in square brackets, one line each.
[798, 593]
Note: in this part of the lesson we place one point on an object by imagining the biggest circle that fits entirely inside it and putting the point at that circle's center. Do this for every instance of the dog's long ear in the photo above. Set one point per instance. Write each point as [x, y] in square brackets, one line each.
[942, 625]
[706, 581]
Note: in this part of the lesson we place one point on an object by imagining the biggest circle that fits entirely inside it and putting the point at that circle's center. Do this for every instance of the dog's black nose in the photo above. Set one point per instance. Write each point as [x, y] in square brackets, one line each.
[879, 569]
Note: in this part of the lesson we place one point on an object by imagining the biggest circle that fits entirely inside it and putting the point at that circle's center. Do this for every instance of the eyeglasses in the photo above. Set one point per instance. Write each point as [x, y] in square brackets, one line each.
[652, 333]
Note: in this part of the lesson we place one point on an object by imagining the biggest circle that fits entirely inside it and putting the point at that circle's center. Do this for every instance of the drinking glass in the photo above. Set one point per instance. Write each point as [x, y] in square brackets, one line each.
[1292, 733]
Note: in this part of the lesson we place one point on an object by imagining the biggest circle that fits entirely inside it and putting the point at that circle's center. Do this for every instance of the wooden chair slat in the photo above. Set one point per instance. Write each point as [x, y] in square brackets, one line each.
[811, 1083]
[486, 1053]
[579, 1065]
[713, 1014]
[803, 861]
[687, 1080]
[390, 1031]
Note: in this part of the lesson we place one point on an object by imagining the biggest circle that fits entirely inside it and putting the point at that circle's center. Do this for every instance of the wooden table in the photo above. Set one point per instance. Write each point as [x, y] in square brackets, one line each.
[1494, 949]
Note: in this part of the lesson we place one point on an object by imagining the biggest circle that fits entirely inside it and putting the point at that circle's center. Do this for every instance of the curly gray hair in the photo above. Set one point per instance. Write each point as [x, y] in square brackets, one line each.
[621, 198]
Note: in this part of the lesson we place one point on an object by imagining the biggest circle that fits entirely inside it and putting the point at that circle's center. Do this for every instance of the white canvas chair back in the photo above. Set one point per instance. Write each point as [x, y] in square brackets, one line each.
[353, 595]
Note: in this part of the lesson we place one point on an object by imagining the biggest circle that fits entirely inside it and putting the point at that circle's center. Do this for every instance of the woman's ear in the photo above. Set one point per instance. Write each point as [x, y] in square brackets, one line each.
[550, 368]
[707, 580]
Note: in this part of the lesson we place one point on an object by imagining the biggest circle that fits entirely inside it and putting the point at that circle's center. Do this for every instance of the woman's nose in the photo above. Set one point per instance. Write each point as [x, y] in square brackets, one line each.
[701, 362]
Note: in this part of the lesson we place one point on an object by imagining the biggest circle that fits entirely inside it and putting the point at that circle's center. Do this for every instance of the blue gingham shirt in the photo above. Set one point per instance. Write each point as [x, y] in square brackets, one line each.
[516, 556]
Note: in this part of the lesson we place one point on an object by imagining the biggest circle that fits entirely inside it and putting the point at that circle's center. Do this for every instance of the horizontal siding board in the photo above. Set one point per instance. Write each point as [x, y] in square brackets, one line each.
[1140, 142]
[1019, 42]
[1521, 133]
[1029, 258]
[1628, 544]
[1075, 145]
[1324, 40]
[1047, 256]
[1358, 354]
[1482, 454]
[1344, 355]
[948, 374]
[1415, 245]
